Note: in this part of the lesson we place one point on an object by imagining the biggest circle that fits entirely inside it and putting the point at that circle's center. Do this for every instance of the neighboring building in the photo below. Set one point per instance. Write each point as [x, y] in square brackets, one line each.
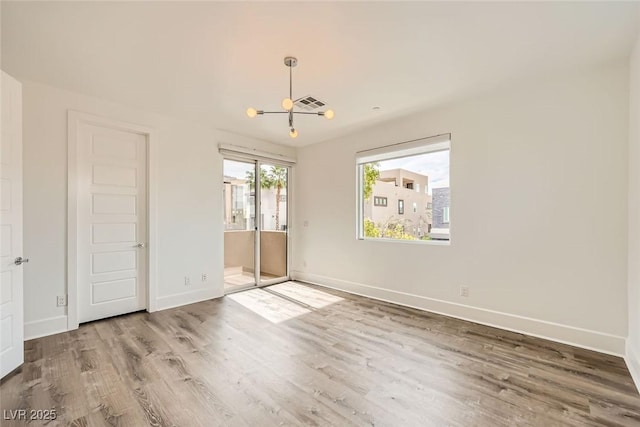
[268, 207]
[401, 196]
[441, 205]
[441, 221]
[239, 206]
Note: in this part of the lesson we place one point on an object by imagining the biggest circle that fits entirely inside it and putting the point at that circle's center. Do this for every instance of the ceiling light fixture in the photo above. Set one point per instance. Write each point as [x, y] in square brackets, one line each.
[289, 103]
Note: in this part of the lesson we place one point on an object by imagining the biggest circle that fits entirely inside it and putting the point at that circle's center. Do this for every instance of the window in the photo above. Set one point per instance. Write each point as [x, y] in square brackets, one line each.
[379, 201]
[424, 161]
[445, 214]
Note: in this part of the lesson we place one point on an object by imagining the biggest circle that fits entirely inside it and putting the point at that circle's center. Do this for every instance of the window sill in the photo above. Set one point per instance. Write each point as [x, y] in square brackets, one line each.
[410, 242]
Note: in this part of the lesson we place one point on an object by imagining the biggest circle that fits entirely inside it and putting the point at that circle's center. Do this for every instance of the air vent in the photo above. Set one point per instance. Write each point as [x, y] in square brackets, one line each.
[309, 103]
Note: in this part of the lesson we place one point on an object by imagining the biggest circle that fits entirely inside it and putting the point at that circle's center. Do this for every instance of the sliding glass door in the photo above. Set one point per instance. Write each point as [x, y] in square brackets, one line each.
[239, 225]
[255, 234]
[273, 223]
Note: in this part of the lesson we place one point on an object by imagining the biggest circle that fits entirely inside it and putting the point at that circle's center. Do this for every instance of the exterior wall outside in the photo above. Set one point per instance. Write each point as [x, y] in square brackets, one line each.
[268, 206]
[402, 177]
[239, 251]
[273, 253]
[440, 201]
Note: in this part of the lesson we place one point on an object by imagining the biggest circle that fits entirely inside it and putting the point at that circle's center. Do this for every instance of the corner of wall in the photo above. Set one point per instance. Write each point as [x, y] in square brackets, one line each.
[632, 360]
[632, 353]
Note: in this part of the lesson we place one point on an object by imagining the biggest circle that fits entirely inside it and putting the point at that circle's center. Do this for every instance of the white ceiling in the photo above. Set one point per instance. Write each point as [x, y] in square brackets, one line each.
[210, 61]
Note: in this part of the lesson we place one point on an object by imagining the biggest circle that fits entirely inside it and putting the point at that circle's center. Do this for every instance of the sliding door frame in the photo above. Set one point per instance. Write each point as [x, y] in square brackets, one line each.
[256, 238]
[258, 162]
[287, 275]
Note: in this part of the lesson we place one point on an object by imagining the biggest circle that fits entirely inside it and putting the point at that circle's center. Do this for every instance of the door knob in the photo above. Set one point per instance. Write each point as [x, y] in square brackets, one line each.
[20, 260]
[140, 245]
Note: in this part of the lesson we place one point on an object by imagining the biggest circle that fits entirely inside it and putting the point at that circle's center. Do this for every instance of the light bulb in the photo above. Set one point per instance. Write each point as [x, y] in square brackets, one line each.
[252, 112]
[287, 104]
[293, 133]
[329, 114]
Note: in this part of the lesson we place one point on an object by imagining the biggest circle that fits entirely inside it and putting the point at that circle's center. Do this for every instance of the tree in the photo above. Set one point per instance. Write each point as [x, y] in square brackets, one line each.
[371, 175]
[273, 177]
[392, 229]
[370, 229]
[396, 231]
[276, 177]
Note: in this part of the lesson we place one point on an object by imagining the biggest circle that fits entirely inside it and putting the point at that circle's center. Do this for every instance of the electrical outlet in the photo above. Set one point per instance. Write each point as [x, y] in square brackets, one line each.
[61, 301]
[187, 281]
[204, 277]
[464, 291]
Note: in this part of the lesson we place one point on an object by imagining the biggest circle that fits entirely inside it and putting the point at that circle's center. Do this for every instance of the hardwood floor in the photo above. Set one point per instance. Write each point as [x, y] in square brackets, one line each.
[296, 354]
[238, 280]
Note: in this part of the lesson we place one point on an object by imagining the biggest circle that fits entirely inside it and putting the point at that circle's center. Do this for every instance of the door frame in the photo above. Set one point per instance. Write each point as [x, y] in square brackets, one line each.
[74, 120]
[281, 279]
[258, 160]
[256, 235]
[14, 307]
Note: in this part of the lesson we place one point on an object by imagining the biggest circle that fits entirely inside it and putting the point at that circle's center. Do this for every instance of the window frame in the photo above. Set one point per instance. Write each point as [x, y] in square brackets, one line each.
[383, 201]
[441, 142]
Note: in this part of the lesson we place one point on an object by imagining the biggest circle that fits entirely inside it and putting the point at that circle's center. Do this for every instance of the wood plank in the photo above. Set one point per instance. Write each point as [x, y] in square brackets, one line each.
[297, 354]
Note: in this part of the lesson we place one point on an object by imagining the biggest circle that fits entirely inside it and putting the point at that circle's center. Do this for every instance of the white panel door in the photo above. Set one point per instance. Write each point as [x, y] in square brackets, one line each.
[11, 305]
[112, 221]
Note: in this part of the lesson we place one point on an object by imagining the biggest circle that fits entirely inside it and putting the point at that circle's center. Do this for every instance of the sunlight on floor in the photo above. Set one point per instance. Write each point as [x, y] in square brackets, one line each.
[293, 301]
[236, 279]
[306, 295]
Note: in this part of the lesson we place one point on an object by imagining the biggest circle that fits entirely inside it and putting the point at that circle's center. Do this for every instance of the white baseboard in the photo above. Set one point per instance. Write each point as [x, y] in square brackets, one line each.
[44, 327]
[633, 364]
[55, 325]
[176, 300]
[584, 338]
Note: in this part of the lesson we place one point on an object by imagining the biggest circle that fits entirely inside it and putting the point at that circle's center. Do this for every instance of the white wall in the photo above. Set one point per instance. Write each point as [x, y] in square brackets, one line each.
[189, 183]
[539, 212]
[633, 344]
[539, 202]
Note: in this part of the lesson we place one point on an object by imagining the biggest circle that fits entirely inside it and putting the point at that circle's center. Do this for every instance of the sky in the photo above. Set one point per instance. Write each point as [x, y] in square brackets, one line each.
[433, 165]
[237, 169]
